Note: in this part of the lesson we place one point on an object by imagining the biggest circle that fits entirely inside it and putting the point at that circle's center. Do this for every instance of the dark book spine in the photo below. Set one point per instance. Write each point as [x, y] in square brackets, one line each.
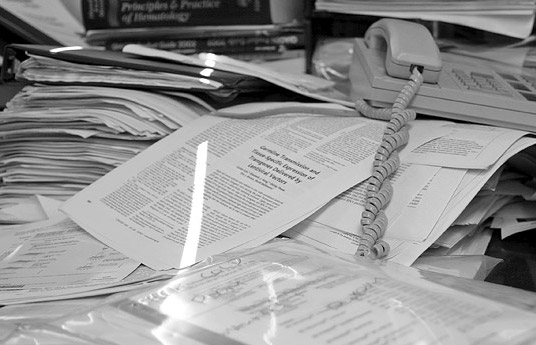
[219, 45]
[268, 56]
[107, 14]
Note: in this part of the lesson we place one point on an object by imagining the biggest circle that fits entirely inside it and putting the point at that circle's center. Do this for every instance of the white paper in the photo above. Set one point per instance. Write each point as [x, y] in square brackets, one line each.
[59, 154]
[56, 252]
[407, 252]
[463, 266]
[423, 220]
[511, 226]
[344, 211]
[22, 211]
[514, 19]
[263, 176]
[421, 195]
[455, 234]
[515, 217]
[50, 206]
[141, 277]
[468, 146]
[476, 244]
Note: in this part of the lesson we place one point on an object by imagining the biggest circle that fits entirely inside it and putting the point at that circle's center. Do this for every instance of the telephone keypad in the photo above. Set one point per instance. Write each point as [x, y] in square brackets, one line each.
[488, 83]
[481, 82]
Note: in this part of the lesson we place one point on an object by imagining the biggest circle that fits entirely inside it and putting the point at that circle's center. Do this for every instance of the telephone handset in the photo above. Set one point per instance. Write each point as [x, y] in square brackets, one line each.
[406, 44]
[452, 89]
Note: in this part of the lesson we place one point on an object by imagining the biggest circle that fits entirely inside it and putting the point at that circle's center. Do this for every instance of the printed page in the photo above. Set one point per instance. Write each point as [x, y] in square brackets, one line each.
[141, 277]
[344, 211]
[419, 216]
[421, 192]
[56, 252]
[468, 146]
[321, 236]
[262, 176]
[57, 247]
[416, 225]
[406, 252]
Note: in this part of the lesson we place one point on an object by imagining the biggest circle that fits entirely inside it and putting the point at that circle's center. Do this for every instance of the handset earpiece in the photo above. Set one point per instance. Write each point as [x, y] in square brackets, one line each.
[408, 45]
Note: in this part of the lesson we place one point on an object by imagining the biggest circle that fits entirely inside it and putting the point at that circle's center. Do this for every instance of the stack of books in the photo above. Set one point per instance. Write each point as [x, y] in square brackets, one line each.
[261, 29]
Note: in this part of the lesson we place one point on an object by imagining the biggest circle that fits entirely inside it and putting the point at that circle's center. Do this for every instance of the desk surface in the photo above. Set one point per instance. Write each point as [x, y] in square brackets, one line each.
[519, 254]
[7, 92]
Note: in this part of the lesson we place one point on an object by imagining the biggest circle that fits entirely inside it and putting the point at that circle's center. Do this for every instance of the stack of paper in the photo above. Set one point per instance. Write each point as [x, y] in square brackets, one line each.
[58, 139]
[434, 187]
[511, 18]
[301, 175]
[220, 183]
[471, 179]
[55, 259]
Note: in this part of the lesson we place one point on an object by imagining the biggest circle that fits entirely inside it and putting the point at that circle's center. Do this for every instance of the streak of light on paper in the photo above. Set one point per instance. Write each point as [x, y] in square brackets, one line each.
[196, 213]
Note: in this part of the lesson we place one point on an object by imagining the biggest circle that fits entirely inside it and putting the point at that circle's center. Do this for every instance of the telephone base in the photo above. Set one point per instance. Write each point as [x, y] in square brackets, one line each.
[512, 104]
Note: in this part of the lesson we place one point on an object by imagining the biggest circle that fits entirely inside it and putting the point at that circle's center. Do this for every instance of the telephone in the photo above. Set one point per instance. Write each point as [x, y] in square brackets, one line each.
[420, 63]
[453, 90]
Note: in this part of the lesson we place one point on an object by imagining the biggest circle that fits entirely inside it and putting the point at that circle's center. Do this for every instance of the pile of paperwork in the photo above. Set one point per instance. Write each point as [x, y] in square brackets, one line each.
[58, 139]
[505, 17]
[240, 176]
[149, 183]
[466, 176]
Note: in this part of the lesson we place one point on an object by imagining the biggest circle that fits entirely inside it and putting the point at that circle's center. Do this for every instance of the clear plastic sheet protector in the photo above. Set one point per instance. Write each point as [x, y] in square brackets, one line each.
[285, 292]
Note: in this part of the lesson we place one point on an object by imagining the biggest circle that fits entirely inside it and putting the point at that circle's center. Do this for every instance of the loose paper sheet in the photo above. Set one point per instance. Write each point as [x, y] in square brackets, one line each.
[467, 146]
[57, 252]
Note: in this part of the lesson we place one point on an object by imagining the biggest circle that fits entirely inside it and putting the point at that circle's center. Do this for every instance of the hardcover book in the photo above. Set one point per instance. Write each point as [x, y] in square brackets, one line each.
[107, 14]
[217, 44]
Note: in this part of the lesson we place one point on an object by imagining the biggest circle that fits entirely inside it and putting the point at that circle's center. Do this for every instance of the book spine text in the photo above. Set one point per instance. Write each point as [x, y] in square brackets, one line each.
[106, 14]
[216, 44]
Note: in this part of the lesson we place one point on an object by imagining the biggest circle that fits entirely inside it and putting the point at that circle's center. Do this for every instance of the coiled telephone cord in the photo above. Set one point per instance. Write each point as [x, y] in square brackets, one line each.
[386, 162]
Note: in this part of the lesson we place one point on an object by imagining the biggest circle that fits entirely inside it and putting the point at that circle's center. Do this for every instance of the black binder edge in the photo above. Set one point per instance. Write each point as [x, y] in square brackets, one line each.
[24, 30]
[233, 83]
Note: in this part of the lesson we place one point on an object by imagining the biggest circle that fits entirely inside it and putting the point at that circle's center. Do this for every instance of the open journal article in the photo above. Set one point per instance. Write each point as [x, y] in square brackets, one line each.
[266, 175]
[263, 175]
